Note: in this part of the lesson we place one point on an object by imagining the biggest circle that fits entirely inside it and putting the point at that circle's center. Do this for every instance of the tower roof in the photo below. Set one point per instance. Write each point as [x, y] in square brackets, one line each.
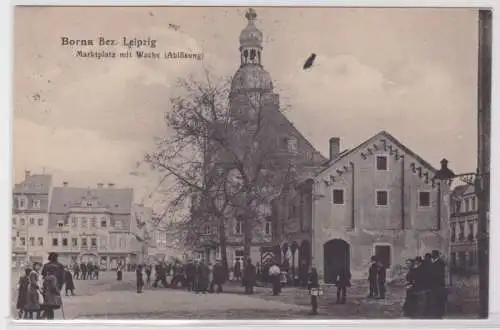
[251, 36]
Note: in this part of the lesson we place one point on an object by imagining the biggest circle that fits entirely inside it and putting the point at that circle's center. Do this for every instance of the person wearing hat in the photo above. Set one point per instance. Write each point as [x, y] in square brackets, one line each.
[219, 276]
[53, 281]
[437, 286]
[372, 278]
[313, 283]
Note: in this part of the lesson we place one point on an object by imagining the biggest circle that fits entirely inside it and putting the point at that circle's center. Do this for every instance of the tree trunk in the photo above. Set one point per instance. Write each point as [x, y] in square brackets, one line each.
[223, 246]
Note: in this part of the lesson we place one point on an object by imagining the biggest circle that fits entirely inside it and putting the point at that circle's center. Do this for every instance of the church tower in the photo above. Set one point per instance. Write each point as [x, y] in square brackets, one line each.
[251, 81]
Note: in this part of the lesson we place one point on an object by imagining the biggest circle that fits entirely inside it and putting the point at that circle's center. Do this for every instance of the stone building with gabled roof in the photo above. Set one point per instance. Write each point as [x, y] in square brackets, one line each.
[92, 225]
[378, 198]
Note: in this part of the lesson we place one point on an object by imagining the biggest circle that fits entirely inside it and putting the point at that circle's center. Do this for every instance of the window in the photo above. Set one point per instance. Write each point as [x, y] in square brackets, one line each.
[103, 242]
[64, 242]
[461, 234]
[453, 232]
[74, 242]
[74, 222]
[104, 223]
[23, 222]
[268, 228]
[22, 241]
[461, 259]
[473, 202]
[32, 221]
[472, 258]
[90, 202]
[66, 221]
[238, 230]
[383, 253]
[60, 224]
[35, 204]
[458, 206]
[93, 222]
[338, 196]
[206, 229]
[22, 203]
[55, 242]
[291, 144]
[112, 241]
[382, 163]
[32, 241]
[470, 236]
[467, 205]
[40, 241]
[424, 199]
[14, 220]
[84, 222]
[93, 242]
[84, 242]
[40, 221]
[122, 243]
[382, 198]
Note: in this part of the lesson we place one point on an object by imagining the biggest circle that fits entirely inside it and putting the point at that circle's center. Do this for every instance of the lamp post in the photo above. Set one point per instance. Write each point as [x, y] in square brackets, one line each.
[477, 180]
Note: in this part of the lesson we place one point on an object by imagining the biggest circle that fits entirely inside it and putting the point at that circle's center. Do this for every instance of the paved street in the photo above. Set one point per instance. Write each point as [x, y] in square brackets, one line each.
[108, 299]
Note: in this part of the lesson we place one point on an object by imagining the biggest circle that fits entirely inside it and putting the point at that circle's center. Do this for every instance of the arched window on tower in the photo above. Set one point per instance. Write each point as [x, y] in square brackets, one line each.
[258, 56]
[245, 54]
[252, 55]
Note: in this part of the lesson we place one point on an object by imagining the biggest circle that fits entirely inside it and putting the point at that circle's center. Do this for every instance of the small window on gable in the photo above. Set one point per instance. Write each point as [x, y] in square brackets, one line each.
[382, 164]
[338, 196]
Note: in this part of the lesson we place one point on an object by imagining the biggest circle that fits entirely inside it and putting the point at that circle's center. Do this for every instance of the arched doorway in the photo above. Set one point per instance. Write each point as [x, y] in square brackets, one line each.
[336, 257]
[304, 261]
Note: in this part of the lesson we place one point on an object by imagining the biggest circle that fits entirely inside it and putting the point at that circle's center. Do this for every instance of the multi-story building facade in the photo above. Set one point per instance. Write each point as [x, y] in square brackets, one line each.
[30, 218]
[463, 230]
[378, 198]
[91, 224]
[252, 82]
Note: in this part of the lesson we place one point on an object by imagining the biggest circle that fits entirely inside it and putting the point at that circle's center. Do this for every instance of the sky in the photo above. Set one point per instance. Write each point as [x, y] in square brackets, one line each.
[411, 72]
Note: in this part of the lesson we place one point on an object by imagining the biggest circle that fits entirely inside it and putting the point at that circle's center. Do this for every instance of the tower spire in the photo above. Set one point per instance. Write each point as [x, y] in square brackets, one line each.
[251, 40]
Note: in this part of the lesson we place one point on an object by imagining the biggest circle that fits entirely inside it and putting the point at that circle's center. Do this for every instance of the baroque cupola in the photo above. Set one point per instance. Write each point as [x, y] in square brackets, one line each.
[251, 76]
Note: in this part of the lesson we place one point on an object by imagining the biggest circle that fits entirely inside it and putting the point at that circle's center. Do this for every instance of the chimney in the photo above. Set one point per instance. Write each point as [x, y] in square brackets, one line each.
[27, 173]
[100, 185]
[65, 183]
[334, 147]
[111, 185]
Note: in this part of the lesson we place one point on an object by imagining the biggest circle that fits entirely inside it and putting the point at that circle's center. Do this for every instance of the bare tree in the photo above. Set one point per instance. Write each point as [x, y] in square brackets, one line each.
[226, 161]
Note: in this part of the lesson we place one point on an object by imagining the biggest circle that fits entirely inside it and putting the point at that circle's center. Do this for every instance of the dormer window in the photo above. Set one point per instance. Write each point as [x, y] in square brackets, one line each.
[90, 202]
[22, 202]
[36, 203]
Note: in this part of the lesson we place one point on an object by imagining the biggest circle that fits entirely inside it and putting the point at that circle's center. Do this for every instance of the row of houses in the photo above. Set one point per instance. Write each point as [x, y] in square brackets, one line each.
[99, 224]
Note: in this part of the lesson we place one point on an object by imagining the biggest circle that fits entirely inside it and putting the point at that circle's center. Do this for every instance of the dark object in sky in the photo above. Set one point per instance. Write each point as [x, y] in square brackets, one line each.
[309, 61]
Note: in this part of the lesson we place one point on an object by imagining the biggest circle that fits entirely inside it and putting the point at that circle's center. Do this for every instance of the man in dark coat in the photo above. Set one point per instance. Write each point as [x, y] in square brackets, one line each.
[372, 278]
[76, 270]
[343, 282]
[90, 270]
[148, 273]
[437, 286]
[381, 278]
[219, 276]
[313, 283]
[68, 281]
[83, 269]
[249, 276]
[237, 270]
[190, 275]
[139, 279]
[53, 275]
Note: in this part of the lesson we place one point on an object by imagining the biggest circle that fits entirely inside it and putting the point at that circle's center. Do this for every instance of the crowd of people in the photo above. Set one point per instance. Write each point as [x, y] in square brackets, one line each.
[426, 292]
[39, 289]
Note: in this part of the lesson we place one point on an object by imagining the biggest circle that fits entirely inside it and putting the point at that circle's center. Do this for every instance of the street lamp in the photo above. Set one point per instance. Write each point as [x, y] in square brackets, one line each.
[477, 181]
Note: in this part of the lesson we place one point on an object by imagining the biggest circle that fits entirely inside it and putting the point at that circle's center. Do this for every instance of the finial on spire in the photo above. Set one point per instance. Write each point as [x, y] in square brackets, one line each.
[251, 15]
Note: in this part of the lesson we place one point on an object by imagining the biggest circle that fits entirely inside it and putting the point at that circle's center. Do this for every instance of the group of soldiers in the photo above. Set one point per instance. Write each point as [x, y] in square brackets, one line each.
[85, 271]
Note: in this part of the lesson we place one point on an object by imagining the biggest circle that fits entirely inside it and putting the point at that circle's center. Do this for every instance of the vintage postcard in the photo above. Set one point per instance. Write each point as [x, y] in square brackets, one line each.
[250, 163]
